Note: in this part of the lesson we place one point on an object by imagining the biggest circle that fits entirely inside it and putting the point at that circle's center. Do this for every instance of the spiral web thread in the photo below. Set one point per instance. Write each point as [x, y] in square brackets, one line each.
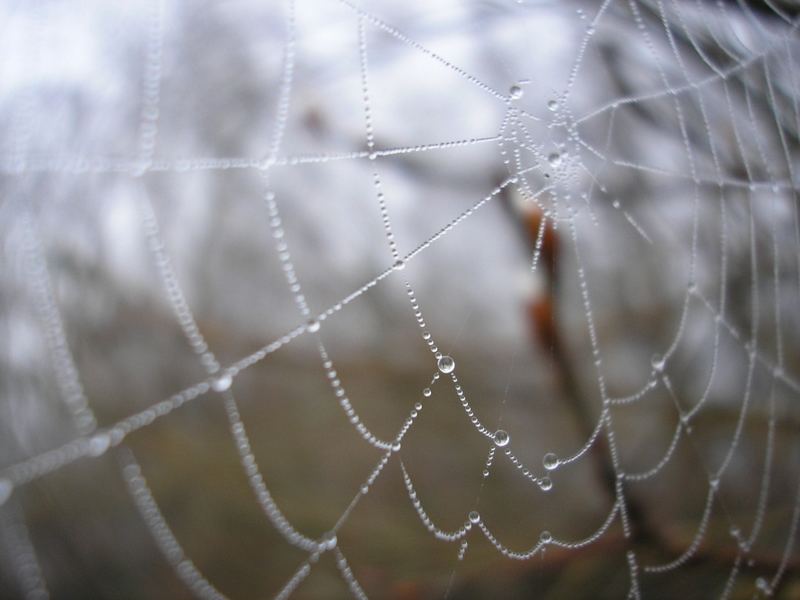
[523, 155]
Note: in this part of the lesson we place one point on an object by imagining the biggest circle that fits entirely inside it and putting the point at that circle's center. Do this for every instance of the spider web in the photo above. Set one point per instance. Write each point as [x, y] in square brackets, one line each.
[720, 77]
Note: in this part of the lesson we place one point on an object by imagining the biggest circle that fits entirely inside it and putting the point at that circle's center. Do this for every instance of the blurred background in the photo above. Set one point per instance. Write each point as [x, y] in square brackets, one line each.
[173, 169]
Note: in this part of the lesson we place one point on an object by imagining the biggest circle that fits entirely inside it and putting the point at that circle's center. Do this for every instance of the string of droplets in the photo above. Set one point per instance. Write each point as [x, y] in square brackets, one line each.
[714, 483]
[49, 461]
[744, 547]
[97, 444]
[223, 382]
[445, 364]
[163, 535]
[15, 539]
[98, 164]
[551, 459]
[66, 371]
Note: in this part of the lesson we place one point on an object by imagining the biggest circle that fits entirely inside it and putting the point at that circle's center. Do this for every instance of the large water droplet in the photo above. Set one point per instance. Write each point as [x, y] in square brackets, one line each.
[98, 444]
[6, 487]
[312, 326]
[515, 92]
[474, 516]
[550, 461]
[552, 105]
[446, 364]
[658, 362]
[501, 438]
[545, 484]
[554, 158]
[222, 383]
[427, 392]
[763, 585]
[545, 537]
[399, 264]
[328, 541]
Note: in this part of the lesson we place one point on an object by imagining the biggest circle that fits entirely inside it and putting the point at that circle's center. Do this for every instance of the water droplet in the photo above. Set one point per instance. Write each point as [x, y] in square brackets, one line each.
[735, 532]
[474, 516]
[399, 264]
[365, 489]
[515, 92]
[373, 155]
[446, 364]
[615, 203]
[486, 472]
[396, 447]
[328, 541]
[550, 461]
[658, 362]
[222, 383]
[762, 585]
[554, 158]
[427, 392]
[545, 537]
[545, 484]
[312, 326]
[552, 105]
[6, 487]
[116, 435]
[98, 444]
[418, 406]
[501, 438]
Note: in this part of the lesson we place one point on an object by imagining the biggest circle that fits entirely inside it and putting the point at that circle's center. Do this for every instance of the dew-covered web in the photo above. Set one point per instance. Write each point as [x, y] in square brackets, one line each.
[715, 83]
